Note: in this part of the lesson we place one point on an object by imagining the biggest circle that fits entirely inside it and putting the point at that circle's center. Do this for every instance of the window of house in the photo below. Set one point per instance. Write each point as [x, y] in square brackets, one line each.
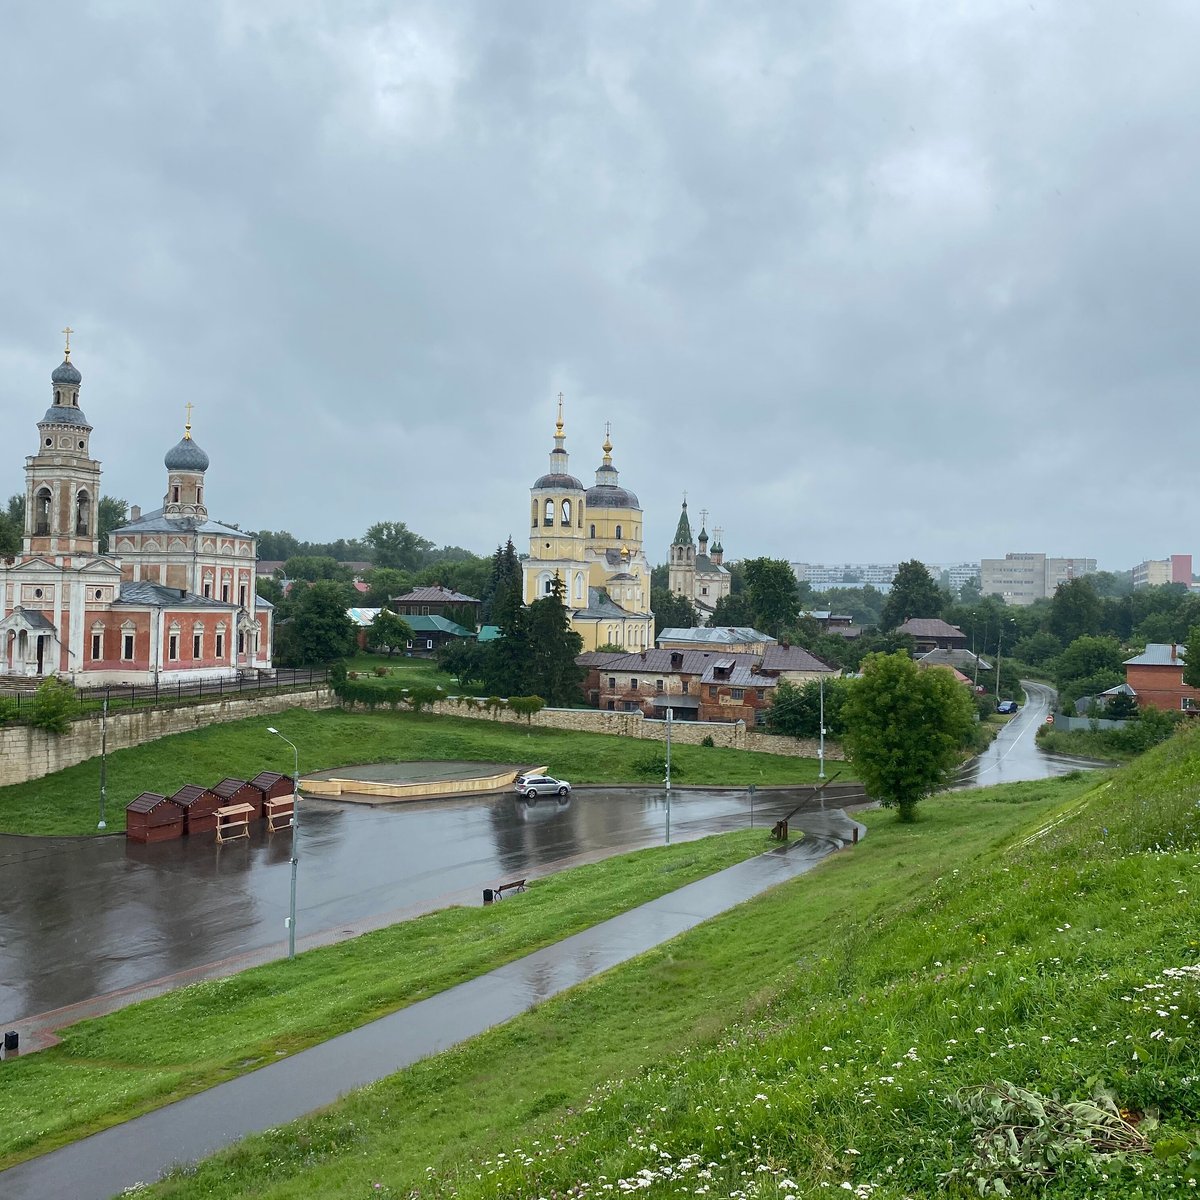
[760, 716]
[173, 647]
[632, 706]
[197, 645]
[633, 687]
[424, 610]
[685, 686]
[761, 693]
[97, 647]
[736, 693]
[428, 643]
[658, 685]
[612, 682]
[127, 647]
[612, 706]
[220, 645]
[712, 690]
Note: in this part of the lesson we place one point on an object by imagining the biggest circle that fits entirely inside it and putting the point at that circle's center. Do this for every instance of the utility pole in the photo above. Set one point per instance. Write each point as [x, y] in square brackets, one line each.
[821, 750]
[103, 824]
[669, 714]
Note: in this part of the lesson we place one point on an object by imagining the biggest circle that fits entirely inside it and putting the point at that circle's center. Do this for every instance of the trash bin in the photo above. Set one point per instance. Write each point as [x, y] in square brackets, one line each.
[488, 895]
[11, 1039]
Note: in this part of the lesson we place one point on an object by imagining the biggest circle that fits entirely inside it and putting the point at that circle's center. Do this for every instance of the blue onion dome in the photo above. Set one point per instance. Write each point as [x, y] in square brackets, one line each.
[556, 479]
[185, 455]
[67, 372]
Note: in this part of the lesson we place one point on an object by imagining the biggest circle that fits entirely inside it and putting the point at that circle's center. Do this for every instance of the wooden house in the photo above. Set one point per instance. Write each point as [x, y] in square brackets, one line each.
[238, 791]
[153, 818]
[271, 785]
[199, 806]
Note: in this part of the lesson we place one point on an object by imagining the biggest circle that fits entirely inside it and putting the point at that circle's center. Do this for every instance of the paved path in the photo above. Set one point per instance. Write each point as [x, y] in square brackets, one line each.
[143, 1149]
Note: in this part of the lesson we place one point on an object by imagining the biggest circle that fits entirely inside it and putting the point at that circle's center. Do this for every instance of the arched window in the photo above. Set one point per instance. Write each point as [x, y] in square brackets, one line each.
[41, 513]
[566, 513]
[593, 533]
[549, 517]
[175, 493]
[83, 514]
[547, 587]
[618, 531]
[57, 396]
[579, 585]
[199, 494]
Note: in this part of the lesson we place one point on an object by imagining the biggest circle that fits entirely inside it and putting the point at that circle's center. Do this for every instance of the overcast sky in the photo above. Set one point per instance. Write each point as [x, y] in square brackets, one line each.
[869, 281]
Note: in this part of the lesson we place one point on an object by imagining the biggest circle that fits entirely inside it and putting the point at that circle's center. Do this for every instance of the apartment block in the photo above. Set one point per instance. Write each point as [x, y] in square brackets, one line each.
[1024, 578]
[1156, 571]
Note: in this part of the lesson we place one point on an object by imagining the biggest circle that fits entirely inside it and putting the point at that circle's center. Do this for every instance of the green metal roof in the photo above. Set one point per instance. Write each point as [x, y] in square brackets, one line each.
[438, 625]
[683, 531]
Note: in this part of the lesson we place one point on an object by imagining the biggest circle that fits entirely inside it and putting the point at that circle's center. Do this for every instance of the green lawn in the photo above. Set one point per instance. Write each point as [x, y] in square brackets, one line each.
[409, 672]
[109, 1069]
[853, 1030]
[67, 801]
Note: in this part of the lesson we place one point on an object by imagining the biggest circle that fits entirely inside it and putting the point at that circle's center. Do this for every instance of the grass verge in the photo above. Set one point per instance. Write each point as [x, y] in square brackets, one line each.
[66, 802]
[144, 1056]
[847, 1031]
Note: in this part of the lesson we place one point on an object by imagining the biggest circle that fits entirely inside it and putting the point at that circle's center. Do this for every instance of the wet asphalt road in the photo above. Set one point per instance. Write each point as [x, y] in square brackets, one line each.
[99, 1166]
[1014, 755]
[83, 917]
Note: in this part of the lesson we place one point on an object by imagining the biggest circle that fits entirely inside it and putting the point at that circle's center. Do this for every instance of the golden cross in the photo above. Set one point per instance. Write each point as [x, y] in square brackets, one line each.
[608, 429]
[187, 428]
[68, 331]
[560, 423]
[718, 531]
[703, 517]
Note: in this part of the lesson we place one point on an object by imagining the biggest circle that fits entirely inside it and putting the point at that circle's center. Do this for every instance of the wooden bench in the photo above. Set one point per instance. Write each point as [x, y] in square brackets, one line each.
[233, 822]
[517, 885]
[279, 812]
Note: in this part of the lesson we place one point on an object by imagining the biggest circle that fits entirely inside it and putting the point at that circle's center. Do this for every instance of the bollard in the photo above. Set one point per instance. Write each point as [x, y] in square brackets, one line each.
[856, 835]
[488, 895]
[11, 1040]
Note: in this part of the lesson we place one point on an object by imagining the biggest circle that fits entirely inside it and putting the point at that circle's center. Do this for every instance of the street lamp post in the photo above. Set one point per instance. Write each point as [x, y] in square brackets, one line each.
[821, 748]
[295, 837]
[103, 824]
[669, 712]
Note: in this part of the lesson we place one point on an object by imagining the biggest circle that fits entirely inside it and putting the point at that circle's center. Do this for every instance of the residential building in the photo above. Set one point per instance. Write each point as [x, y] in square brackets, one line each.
[932, 633]
[1156, 678]
[428, 632]
[742, 638]
[436, 601]
[172, 599]
[1156, 571]
[591, 541]
[1026, 577]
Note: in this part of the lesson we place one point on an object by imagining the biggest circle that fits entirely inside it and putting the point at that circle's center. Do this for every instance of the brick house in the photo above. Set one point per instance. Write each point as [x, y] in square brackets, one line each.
[1156, 677]
[436, 601]
[932, 633]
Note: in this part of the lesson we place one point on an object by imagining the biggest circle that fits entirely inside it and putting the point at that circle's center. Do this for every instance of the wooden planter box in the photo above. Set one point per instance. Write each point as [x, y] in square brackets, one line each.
[153, 818]
[238, 791]
[199, 806]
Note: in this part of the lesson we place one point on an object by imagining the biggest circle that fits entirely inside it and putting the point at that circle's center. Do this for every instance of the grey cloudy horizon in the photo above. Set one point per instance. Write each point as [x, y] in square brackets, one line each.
[869, 282]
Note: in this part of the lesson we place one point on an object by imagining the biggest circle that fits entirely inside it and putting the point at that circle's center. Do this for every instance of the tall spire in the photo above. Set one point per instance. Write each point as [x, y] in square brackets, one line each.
[683, 531]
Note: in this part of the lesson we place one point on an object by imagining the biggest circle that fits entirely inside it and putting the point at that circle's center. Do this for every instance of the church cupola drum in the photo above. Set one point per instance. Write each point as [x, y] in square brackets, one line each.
[186, 464]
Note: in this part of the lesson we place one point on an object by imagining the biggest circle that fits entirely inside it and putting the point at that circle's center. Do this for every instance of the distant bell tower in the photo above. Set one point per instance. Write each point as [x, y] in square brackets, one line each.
[186, 464]
[681, 574]
[62, 480]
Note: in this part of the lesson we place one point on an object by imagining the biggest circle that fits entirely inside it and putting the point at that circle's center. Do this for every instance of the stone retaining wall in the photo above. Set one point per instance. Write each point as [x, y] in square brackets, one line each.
[27, 753]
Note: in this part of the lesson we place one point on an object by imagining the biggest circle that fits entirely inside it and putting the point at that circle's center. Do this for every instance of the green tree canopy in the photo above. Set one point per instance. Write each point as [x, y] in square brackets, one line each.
[1191, 669]
[394, 545]
[672, 611]
[385, 585]
[796, 708]
[914, 593]
[905, 728]
[503, 587]
[388, 632]
[733, 610]
[313, 567]
[315, 628]
[774, 597]
[111, 514]
[1087, 656]
[1075, 610]
[551, 647]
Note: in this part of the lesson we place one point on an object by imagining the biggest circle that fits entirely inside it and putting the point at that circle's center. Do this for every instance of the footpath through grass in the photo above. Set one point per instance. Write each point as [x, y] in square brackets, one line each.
[111, 1068]
[67, 801]
[1000, 999]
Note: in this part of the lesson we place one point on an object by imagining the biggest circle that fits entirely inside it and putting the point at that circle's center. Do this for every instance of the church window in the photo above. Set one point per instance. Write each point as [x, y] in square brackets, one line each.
[197, 645]
[80, 445]
[38, 593]
[704, 591]
[566, 513]
[242, 642]
[242, 595]
[578, 587]
[83, 514]
[175, 493]
[97, 647]
[99, 594]
[658, 685]
[548, 519]
[57, 396]
[173, 647]
[220, 645]
[547, 587]
[535, 512]
[208, 589]
[199, 494]
[49, 441]
[618, 531]
[127, 647]
[593, 533]
[41, 514]
[225, 592]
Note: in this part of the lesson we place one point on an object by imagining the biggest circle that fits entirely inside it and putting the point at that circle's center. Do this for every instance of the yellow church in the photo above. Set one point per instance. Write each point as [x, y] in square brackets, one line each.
[592, 540]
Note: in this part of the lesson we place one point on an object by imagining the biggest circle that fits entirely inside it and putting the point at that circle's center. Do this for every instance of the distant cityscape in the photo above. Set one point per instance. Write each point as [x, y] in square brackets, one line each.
[1018, 578]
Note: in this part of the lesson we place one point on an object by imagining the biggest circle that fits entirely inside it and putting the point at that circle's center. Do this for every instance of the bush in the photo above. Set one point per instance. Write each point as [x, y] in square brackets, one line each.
[8, 710]
[706, 740]
[52, 705]
[526, 706]
[381, 672]
[653, 765]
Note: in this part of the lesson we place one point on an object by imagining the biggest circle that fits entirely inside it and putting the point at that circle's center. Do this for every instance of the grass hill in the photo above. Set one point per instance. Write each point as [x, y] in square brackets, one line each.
[1001, 999]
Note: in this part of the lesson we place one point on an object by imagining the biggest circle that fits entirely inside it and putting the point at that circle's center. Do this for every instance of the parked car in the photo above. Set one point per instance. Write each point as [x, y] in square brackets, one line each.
[533, 786]
[1007, 706]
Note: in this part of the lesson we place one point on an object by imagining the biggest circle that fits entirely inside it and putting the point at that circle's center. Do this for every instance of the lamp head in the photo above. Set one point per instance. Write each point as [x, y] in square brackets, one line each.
[272, 729]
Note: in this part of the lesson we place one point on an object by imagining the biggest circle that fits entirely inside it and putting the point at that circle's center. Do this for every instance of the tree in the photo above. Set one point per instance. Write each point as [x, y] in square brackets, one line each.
[394, 545]
[774, 598]
[385, 584]
[672, 611]
[111, 514]
[1191, 669]
[1122, 707]
[270, 589]
[551, 647]
[315, 628]
[796, 708]
[914, 594]
[313, 567]
[1088, 657]
[1075, 610]
[905, 728]
[52, 705]
[388, 632]
[12, 525]
[465, 660]
[504, 585]
[733, 610]
[1036, 649]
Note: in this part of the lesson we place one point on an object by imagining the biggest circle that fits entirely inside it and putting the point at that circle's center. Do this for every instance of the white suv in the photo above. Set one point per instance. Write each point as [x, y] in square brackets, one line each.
[533, 786]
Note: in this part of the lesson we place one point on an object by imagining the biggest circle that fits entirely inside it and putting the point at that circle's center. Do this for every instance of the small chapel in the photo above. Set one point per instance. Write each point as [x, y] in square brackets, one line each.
[173, 599]
[590, 539]
[700, 575]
